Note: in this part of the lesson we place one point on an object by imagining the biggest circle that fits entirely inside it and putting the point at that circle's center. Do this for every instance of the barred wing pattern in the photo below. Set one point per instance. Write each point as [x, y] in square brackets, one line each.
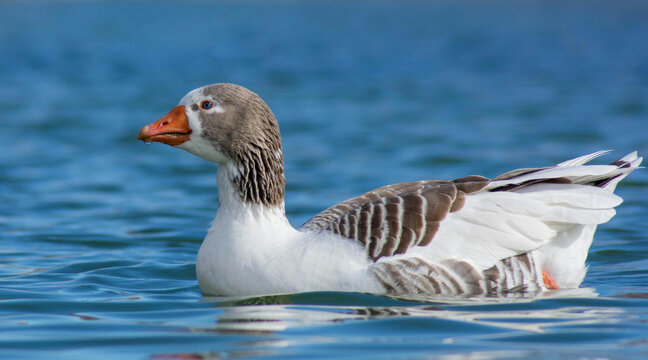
[415, 276]
[391, 219]
[512, 229]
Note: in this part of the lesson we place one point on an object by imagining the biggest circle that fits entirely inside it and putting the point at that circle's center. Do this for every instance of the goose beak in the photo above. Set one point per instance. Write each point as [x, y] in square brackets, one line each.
[172, 129]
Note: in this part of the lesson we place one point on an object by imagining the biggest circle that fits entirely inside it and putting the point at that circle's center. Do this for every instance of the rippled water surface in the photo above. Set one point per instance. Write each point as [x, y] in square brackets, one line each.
[99, 233]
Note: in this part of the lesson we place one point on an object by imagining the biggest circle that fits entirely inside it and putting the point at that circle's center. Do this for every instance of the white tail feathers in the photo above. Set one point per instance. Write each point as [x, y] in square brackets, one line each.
[576, 210]
[550, 212]
[584, 159]
[626, 165]
[576, 172]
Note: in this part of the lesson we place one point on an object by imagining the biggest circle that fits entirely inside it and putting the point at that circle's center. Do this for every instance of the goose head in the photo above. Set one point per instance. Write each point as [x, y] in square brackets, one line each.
[233, 126]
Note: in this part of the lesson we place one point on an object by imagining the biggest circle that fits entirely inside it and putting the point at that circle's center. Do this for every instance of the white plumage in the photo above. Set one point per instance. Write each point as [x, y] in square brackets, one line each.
[524, 231]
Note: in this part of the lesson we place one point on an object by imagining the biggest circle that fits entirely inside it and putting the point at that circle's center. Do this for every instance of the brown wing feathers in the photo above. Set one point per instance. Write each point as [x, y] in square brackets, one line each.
[391, 219]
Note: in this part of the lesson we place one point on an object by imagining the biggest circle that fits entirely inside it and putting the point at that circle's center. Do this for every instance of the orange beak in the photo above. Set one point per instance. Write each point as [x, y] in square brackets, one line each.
[172, 129]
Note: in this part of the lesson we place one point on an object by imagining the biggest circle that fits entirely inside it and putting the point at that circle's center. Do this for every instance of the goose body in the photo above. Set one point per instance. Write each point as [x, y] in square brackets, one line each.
[527, 230]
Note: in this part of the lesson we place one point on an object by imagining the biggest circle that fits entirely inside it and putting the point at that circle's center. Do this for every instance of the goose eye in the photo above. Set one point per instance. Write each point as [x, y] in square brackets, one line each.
[206, 105]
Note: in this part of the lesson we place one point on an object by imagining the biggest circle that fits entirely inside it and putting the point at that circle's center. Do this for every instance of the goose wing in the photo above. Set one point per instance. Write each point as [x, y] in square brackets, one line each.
[474, 217]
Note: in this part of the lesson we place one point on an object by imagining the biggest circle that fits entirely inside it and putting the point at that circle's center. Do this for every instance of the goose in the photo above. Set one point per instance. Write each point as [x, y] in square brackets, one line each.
[525, 231]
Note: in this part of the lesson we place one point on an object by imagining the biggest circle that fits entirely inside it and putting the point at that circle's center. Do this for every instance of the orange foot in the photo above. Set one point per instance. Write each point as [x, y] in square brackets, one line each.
[549, 282]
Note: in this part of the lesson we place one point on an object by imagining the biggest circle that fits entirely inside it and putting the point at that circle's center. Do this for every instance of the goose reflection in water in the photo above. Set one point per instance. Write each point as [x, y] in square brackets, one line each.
[441, 327]
[277, 313]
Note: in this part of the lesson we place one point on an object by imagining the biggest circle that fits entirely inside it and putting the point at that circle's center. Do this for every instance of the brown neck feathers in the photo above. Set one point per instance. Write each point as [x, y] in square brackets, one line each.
[261, 180]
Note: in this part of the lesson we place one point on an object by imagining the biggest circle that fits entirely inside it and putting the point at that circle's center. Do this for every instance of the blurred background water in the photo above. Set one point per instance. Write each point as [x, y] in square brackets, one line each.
[99, 233]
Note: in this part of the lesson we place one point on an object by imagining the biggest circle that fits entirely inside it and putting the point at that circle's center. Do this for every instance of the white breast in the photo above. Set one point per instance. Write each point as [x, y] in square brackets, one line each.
[252, 249]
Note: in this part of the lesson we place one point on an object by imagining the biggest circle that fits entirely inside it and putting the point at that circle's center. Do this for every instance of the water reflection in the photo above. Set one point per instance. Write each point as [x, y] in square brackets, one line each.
[266, 315]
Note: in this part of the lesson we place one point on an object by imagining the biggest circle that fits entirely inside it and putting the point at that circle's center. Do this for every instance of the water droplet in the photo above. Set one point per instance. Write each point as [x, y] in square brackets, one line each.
[148, 143]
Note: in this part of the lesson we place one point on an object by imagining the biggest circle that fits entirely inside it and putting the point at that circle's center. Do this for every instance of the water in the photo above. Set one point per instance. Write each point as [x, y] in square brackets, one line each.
[99, 233]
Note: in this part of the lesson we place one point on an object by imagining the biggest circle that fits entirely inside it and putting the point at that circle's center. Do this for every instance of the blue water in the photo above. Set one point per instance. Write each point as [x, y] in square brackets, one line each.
[99, 233]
